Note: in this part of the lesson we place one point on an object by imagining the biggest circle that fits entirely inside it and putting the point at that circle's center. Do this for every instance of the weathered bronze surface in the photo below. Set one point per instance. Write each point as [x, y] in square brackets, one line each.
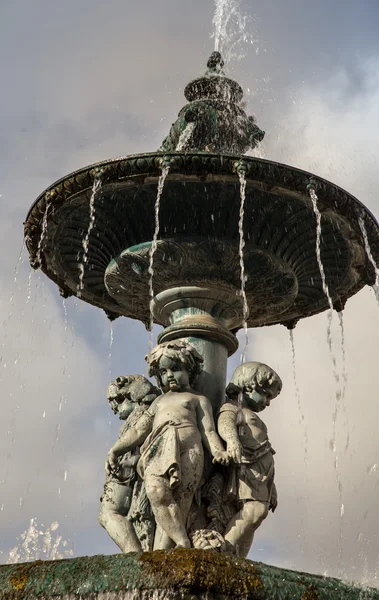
[199, 215]
[201, 201]
[215, 115]
[196, 296]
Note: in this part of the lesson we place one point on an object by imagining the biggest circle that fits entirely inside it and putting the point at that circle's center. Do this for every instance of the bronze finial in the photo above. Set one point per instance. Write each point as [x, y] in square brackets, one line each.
[215, 62]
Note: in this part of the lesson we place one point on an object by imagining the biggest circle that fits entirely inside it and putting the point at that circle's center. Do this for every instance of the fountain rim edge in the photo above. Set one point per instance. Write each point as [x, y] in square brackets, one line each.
[239, 159]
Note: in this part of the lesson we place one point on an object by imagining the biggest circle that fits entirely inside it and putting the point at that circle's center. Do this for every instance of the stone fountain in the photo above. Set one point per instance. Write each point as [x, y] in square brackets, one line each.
[175, 259]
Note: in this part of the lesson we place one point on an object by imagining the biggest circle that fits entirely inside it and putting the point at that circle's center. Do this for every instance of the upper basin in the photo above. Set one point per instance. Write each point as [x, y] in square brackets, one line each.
[199, 215]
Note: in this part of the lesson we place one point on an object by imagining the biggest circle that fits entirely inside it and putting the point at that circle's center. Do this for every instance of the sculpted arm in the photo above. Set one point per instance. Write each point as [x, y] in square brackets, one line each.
[134, 436]
[208, 431]
[227, 428]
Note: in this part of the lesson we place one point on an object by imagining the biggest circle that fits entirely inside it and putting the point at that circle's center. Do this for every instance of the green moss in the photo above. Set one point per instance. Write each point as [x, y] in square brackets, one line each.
[19, 577]
[182, 572]
[201, 570]
[311, 594]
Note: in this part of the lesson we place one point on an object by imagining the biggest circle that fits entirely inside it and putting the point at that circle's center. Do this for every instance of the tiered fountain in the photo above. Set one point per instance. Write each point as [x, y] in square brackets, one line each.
[229, 240]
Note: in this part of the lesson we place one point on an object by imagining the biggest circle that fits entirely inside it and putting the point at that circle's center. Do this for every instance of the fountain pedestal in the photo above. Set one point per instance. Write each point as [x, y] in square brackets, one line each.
[202, 316]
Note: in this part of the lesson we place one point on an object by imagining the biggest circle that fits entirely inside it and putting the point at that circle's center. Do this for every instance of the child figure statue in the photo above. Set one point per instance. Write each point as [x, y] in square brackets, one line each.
[172, 431]
[129, 397]
[250, 481]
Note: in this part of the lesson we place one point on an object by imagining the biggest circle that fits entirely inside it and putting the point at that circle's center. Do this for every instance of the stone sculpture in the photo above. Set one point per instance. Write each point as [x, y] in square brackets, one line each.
[158, 458]
[250, 482]
[96, 242]
[125, 511]
[172, 433]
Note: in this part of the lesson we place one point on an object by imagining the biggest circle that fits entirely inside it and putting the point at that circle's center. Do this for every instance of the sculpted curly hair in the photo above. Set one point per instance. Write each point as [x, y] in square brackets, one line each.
[135, 388]
[256, 374]
[176, 350]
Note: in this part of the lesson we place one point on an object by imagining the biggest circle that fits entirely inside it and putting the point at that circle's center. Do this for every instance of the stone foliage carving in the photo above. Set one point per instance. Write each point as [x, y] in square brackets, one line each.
[155, 471]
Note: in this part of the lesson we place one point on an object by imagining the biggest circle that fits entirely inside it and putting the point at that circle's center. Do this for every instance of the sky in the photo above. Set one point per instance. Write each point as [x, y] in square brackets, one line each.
[86, 81]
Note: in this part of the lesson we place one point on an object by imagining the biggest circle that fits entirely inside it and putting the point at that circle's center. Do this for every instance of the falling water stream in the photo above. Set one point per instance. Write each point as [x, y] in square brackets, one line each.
[231, 29]
[19, 263]
[220, 20]
[325, 286]
[6, 362]
[85, 242]
[29, 288]
[343, 352]
[375, 287]
[333, 442]
[161, 182]
[185, 137]
[297, 393]
[110, 348]
[43, 233]
[242, 178]
[65, 314]
[317, 213]
[6, 321]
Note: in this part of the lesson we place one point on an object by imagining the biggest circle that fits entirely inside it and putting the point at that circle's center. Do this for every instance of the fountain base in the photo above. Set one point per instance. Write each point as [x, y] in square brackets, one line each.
[173, 574]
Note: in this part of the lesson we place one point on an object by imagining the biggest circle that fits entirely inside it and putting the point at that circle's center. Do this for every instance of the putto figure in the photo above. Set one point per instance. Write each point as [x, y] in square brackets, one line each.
[250, 480]
[129, 397]
[173, 431]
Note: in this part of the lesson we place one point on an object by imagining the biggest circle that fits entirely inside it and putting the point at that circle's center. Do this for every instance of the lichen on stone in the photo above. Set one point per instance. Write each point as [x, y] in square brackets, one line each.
[203, 570]
[311, 594]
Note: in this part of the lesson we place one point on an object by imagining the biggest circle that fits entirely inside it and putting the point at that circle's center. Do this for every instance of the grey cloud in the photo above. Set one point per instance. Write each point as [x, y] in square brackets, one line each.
[84, 82]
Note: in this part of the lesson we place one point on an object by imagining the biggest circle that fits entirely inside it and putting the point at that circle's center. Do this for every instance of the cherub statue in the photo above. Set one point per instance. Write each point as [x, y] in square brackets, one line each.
[250, 482]
[129, 397]
[173, 431]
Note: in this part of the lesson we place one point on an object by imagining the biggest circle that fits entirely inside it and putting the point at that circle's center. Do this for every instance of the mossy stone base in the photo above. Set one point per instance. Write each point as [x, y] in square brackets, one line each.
[172, 575]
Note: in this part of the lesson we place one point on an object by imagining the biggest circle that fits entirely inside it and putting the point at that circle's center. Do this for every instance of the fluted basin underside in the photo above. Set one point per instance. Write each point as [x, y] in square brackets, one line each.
[200, 204]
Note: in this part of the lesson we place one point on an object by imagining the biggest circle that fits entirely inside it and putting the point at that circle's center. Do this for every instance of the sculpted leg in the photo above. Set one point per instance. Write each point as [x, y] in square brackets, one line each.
[240, 530]
[113, 510]
[161, 540]
[166, 510]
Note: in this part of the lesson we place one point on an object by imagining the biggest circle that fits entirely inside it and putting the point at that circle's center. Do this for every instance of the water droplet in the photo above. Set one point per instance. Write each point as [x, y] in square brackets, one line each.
[85, 243]
[161, 182]
[375, 287]
[242, 179]
[372, 469]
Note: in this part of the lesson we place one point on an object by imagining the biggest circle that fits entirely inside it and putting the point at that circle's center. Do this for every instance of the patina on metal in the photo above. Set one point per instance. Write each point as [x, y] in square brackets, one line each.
[197, 297]
[219, 122]
[199, 221]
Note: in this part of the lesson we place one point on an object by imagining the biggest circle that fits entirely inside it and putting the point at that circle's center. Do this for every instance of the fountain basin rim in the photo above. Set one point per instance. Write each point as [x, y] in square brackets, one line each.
[143, 170]
[228, 164]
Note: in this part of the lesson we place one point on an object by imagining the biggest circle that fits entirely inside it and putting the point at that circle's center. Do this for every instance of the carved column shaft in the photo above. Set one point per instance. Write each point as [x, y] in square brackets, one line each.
[203, 316]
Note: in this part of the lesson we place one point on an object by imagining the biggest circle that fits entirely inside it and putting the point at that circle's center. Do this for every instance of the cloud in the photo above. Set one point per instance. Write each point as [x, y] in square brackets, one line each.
[84, 84]
[332, 133]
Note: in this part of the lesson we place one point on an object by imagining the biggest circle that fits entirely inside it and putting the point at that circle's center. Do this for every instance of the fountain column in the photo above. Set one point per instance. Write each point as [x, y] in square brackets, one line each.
[203, 316]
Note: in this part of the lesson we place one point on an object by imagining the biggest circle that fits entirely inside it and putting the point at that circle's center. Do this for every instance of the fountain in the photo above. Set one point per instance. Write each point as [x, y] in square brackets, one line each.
[203, 240]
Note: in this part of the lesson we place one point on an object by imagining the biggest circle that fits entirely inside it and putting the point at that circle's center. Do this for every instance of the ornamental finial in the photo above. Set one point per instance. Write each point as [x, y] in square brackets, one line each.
[215, 62]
